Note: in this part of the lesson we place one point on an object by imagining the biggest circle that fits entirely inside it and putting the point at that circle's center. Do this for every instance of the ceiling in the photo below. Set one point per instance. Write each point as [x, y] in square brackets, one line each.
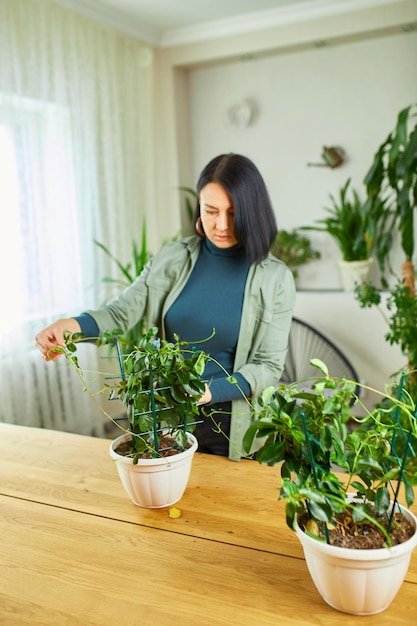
[171, 22]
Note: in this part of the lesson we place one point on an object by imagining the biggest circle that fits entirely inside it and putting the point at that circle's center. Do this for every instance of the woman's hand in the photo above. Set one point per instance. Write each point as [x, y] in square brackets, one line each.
[53, 336]
[206, 397]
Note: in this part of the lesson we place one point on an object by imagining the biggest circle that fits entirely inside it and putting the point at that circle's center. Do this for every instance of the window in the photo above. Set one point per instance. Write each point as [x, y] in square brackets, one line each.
[39, 256]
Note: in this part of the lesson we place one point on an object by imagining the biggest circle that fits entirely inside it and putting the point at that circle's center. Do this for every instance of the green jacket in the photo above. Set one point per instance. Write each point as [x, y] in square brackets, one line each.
[266, 317]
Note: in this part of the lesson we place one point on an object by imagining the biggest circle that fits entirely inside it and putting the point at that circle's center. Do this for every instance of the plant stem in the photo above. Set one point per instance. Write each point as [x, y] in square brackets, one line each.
[154, 420]
[313, 466]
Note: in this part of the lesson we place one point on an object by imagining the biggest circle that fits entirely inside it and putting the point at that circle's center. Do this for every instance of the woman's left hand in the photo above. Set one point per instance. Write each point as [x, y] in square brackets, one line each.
[206, 397]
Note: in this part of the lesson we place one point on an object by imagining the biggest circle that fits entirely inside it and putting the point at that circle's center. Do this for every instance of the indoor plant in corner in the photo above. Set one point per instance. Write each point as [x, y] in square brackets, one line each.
[359, 229]
[342, 485]
[159, 386]
[392, 178]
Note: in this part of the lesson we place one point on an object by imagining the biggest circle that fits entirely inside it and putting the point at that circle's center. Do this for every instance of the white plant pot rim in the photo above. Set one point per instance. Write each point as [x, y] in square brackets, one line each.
[157, 461]
[356, 263]
[351, 554]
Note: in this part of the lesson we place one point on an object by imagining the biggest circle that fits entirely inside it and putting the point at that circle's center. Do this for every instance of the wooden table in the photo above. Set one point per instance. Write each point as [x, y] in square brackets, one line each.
[76, 551]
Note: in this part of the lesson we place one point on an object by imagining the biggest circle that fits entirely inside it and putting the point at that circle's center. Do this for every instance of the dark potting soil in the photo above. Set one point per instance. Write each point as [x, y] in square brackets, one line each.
[362, 535]
[167, 446]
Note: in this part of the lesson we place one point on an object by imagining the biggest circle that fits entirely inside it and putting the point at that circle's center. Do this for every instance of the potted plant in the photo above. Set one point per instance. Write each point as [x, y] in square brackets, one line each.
[355, 227]
[294, 249]
[341, 485]
[392, 179]
[159, 386]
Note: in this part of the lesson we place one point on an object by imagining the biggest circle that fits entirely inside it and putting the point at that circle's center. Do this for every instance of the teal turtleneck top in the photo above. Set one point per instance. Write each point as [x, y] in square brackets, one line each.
[211, 302]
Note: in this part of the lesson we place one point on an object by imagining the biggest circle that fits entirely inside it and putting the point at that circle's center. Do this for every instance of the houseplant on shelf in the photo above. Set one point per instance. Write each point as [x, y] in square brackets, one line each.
[159, 386]
[336, 483]
[359, 229]
[294, 249]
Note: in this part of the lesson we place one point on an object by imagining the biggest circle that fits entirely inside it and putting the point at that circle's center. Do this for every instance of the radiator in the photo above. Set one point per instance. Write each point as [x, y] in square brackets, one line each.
[51, 395]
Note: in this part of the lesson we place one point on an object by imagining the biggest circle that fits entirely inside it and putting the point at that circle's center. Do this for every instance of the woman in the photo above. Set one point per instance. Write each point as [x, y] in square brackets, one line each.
[221, 279]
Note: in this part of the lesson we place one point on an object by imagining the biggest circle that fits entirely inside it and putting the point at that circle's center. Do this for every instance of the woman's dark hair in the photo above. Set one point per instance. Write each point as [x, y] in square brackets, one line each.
[255, 225]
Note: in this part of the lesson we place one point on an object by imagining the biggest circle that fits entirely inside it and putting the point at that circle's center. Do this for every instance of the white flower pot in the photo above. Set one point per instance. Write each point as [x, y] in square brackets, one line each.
[359, 582]
[355, 272]
[154, 483]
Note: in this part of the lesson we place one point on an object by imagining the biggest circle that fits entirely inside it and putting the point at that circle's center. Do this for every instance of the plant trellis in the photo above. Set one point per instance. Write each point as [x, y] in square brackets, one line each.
[401, 433]
[153, 392]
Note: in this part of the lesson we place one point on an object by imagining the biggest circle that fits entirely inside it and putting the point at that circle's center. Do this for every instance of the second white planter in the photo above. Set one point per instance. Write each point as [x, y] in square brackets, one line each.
[155, 483]
[359, 582]
[354, 272]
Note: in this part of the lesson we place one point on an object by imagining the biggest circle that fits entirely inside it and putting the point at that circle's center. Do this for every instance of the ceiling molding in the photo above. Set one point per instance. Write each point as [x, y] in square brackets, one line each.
[249, 22]
[262, 20]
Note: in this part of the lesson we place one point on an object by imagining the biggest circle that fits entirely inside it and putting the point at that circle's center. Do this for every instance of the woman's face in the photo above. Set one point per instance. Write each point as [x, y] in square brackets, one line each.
[217, 215]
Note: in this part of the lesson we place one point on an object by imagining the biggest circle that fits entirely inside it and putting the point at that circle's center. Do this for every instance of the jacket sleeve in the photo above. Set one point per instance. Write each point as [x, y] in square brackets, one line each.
[146, 296]
[128, 308]
[267, 326]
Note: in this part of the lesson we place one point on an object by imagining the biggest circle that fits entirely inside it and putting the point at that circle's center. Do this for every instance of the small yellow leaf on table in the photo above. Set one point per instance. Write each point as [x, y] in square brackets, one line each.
[174, 512]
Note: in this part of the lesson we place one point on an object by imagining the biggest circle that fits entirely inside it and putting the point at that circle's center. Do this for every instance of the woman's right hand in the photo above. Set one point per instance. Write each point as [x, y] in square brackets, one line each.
[53, 336]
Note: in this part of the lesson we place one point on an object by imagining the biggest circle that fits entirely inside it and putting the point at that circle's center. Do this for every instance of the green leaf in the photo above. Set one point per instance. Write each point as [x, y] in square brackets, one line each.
[326, 440]
[359, 487]
[292, 510]
[382, 500]
[200, 364]
[181, 438]
[320, 365]
[409, 493]
[271, 454]
[321, 511]
[249, 437]
[360, 512]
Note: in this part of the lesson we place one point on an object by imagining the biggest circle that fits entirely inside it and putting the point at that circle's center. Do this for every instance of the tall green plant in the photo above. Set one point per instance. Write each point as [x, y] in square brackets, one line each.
[392, 179]
[128, 274]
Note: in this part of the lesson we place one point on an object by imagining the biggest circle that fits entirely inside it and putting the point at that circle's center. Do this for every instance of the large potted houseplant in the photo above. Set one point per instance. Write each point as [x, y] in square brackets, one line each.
[356, 227]
[341, 485]
[159, 385]
[392, 179]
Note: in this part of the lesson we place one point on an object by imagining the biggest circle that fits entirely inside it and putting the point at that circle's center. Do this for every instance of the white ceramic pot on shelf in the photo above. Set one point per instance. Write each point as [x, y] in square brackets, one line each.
[359, 582]
[155, 483]
[355, 272]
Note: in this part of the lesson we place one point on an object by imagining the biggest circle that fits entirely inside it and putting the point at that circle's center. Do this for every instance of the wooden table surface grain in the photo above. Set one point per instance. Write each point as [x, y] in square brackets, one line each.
[75, 551]
[227, 501]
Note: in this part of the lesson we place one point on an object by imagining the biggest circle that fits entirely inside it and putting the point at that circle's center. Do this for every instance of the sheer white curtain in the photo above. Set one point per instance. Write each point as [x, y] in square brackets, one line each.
[72, 147]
